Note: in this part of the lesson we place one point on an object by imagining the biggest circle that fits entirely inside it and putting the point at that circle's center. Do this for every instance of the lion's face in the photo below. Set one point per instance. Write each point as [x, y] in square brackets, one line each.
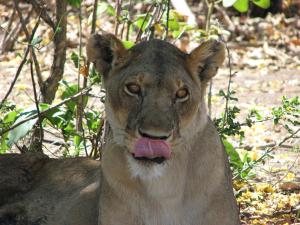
[154, 98]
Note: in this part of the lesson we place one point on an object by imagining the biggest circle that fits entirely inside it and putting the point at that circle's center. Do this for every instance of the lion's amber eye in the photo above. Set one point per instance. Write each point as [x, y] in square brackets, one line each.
[182, 94]
[132, 89]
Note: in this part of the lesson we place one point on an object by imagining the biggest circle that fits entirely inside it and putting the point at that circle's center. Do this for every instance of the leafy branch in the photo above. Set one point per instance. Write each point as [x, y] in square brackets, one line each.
[43, 113]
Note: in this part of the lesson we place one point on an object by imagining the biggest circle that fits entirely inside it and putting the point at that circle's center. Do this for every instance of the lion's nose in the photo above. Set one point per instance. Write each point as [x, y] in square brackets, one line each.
[154, 134]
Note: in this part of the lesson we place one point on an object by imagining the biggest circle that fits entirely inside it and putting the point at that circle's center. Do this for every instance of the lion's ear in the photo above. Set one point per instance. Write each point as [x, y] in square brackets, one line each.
[105, 50]
[205, 60]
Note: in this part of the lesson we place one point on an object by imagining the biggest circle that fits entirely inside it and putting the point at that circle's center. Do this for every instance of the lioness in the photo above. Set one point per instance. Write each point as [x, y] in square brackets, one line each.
[163, 163]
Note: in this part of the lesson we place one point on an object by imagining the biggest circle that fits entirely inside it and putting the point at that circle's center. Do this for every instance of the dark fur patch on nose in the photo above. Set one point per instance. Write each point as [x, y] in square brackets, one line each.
[143, 134]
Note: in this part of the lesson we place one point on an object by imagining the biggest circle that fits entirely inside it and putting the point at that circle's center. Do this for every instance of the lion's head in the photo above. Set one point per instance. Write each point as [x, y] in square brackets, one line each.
[154, 93]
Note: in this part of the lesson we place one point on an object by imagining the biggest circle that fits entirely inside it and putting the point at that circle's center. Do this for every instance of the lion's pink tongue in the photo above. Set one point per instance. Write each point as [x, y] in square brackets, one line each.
[150, 148]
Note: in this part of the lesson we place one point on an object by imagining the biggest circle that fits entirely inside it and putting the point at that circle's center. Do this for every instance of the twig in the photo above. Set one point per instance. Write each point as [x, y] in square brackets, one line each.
[39, 7]
[98, 140]
[249, 166]
[210, 6]
[21, 64]
[288, 137]
[40, 119]
[43, 113]
[129, 22]
[158, 18]
[167, 24]
[88, 63]
[249, 148]
[36, 63]
[227, 19]
[227, 99]
[12, 36]
[287, 172]
[275, 214]
[55, 142]
[209, 95]
[149, 31]
[94, 16]
[138, 37]
[117, 21]
[9, 26]
[79, 112]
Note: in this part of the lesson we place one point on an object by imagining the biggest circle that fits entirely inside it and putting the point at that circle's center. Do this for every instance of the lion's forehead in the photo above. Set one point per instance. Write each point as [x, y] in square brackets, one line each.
[157, 56]
[154, 71]
[158, 46]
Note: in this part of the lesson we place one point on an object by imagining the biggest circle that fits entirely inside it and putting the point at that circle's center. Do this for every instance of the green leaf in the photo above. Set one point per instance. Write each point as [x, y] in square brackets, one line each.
[95, 76]
[75, 3]
[142, 21]
[69, 91]
[36, 40]
[105, 7]
[233, 154]
[228, 3]
[262, 3]
[4, 146]
[241, 5]
[10, 117]
[128, 44]
[77, 140]
[75, 59]
[173, 25]
[58, 30]
[20, 131]
[111, 10]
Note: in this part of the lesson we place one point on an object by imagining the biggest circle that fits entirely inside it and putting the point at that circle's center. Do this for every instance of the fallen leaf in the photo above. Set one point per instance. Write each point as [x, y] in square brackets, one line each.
[290, 186]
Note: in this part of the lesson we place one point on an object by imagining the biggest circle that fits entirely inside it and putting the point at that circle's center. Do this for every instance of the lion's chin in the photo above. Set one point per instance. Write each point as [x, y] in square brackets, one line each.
[145, 168]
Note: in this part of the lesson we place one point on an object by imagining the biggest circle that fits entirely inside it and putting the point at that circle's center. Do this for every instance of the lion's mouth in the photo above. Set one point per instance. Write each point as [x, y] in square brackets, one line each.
[157, 160]
[151, 150]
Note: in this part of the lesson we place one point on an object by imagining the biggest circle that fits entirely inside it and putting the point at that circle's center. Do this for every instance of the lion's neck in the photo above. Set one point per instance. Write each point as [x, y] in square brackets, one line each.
[155, 200]
[159, 180]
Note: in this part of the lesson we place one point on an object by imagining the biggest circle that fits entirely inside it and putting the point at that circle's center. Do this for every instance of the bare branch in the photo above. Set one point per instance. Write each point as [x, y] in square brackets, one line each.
[9, 26]
[249, 166]
[39, 7]
[94, 16]
[167, 25]
[21, 65]
[211, 5]
[37, 132]
[138, 37]
[36, 63]
[12, 35]
[118, 12]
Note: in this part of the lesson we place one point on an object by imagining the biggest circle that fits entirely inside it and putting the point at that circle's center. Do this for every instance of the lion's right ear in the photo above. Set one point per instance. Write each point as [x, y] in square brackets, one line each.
[205, 60]
[105, 51]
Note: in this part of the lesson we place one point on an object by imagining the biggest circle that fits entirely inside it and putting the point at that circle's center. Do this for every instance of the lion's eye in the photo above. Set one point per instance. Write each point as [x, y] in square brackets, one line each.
[132, 89]
[182, 94]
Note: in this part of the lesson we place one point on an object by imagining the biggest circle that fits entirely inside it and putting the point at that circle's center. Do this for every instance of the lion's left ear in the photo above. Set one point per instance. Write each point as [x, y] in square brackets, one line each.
[205, 60]
[106, 51]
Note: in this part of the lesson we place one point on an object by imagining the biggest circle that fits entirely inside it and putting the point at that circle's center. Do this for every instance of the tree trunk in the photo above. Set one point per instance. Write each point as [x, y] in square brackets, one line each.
[51, 84]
